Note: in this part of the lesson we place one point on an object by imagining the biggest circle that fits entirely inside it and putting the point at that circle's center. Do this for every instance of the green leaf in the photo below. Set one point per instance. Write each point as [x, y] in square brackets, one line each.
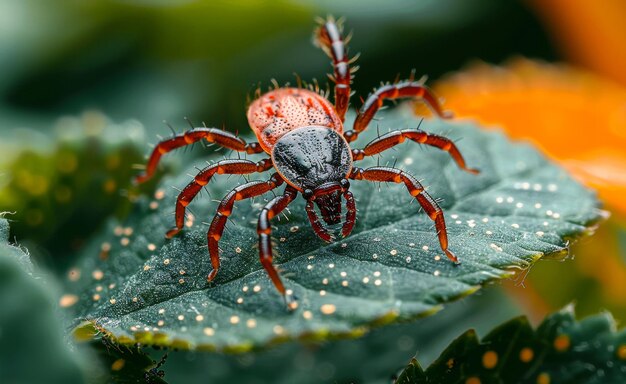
[136, 286]
[370, 359]
[413, 373]
[128, 364]
[16, 254]
[32, 349]
[560, 350]
[4, 228]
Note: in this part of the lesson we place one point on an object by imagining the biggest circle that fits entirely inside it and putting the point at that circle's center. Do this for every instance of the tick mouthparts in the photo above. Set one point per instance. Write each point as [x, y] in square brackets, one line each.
[330, 206]
[335, 223]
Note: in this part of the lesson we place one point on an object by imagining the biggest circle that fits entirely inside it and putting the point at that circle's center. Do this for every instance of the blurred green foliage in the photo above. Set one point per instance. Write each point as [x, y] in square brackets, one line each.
[32, 346]
[155, 60]
[560, 350]
[60, 189]
[126, 364]
[594, 275]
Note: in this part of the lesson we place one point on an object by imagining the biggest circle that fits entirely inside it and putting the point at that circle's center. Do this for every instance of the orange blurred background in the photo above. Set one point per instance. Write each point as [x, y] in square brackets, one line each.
[576, 113]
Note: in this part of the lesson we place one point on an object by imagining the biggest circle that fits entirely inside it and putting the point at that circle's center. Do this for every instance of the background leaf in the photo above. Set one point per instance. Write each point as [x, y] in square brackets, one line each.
[62, 187]
[371, 359]
[136, 286]
[32, 349]
[127, 364]
[560, 350]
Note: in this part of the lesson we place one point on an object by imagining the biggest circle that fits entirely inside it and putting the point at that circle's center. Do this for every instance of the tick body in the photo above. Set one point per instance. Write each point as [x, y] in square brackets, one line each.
[302, 135]
[283, 110]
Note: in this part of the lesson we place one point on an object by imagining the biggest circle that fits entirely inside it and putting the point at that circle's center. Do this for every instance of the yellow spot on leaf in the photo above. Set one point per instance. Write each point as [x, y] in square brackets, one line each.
[109, 186]
[68, 300]
[328, 309]
[118, 365]
[621, 352]
[97, 274]
[526, 355]
[543, 378]
[73, 274]
[562, 343]
[490, 359]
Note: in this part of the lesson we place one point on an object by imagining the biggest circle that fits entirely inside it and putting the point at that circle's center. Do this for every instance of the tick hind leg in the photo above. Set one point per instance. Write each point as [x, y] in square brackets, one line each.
[430, 206]
[245, 191]
[399, 90]
[212, 135]
[393, 138]
[264, 229]
[329, 37]
[229, 167]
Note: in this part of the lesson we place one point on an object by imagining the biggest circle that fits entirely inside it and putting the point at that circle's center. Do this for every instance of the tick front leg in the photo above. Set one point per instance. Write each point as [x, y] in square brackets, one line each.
[329, 37]
[432, 209]
[264, 229]
[245, 191]
[350, 214]
[400, 90]
[316, 224]
[212, 135]
[394, 138]
[228, 167]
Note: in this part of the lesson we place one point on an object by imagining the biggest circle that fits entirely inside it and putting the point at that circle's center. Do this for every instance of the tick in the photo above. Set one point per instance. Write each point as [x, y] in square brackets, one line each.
[309, 151]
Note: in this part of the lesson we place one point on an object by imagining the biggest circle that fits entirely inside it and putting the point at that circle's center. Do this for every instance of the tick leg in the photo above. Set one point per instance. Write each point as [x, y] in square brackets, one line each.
[229, 167]
[212, 135]
[329, 37]
[350, 214]
[432, 209]
[399, 90]
[316, 224]
[264, 229]
[394, 138]
[245, 191]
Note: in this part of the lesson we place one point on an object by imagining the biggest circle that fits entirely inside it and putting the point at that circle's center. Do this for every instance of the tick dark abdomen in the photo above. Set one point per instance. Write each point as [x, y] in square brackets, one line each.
[308, 157]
